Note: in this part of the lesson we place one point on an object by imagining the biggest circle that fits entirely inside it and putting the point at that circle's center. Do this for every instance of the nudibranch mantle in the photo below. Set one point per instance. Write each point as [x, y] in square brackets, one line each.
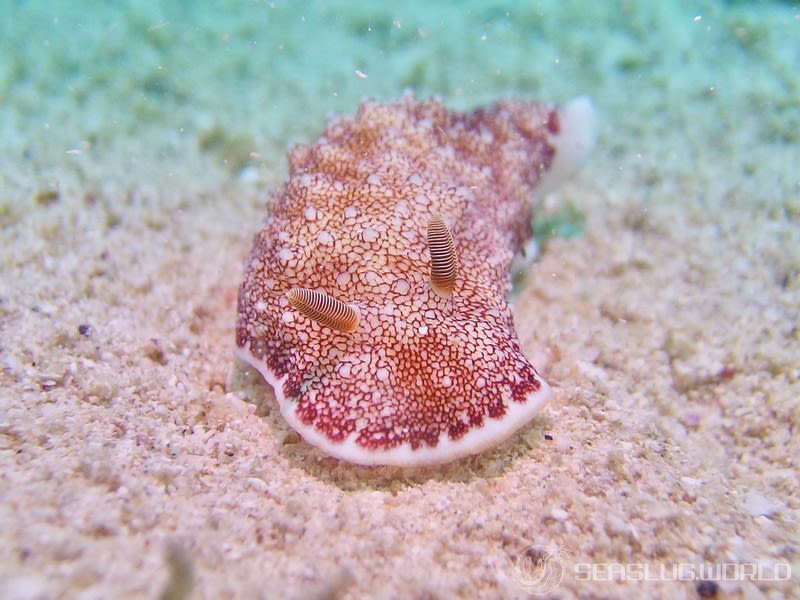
[374, 299]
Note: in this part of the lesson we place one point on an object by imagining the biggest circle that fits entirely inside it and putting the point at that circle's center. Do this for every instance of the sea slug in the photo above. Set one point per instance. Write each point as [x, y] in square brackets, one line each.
[374, 298]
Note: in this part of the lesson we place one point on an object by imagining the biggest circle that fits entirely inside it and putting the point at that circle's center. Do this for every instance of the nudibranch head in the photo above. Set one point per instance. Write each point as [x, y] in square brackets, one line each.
[374, 298]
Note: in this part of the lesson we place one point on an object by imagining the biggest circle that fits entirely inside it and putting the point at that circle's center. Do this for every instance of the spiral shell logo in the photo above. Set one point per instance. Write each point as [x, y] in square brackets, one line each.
[539, 570]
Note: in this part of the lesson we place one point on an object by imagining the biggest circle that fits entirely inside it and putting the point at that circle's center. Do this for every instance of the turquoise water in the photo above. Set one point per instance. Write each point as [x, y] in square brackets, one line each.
[264, 73]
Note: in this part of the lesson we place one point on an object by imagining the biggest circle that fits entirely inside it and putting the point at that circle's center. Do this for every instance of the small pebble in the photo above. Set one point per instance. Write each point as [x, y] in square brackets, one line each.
[707, 588]
[756, 505]
[46, 196]
[559, 514]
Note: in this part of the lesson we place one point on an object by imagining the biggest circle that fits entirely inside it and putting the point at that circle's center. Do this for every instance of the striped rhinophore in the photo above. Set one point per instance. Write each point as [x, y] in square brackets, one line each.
[444, 265]
[325, 310]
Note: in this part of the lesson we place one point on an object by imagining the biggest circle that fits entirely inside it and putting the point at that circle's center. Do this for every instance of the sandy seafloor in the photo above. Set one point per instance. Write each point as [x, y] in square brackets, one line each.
[138, 142]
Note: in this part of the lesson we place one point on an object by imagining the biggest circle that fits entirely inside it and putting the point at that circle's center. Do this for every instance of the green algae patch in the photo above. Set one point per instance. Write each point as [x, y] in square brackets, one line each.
[566, 222]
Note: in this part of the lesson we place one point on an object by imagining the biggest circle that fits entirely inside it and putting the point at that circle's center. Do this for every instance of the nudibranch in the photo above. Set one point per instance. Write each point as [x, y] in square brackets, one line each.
[374, 299]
